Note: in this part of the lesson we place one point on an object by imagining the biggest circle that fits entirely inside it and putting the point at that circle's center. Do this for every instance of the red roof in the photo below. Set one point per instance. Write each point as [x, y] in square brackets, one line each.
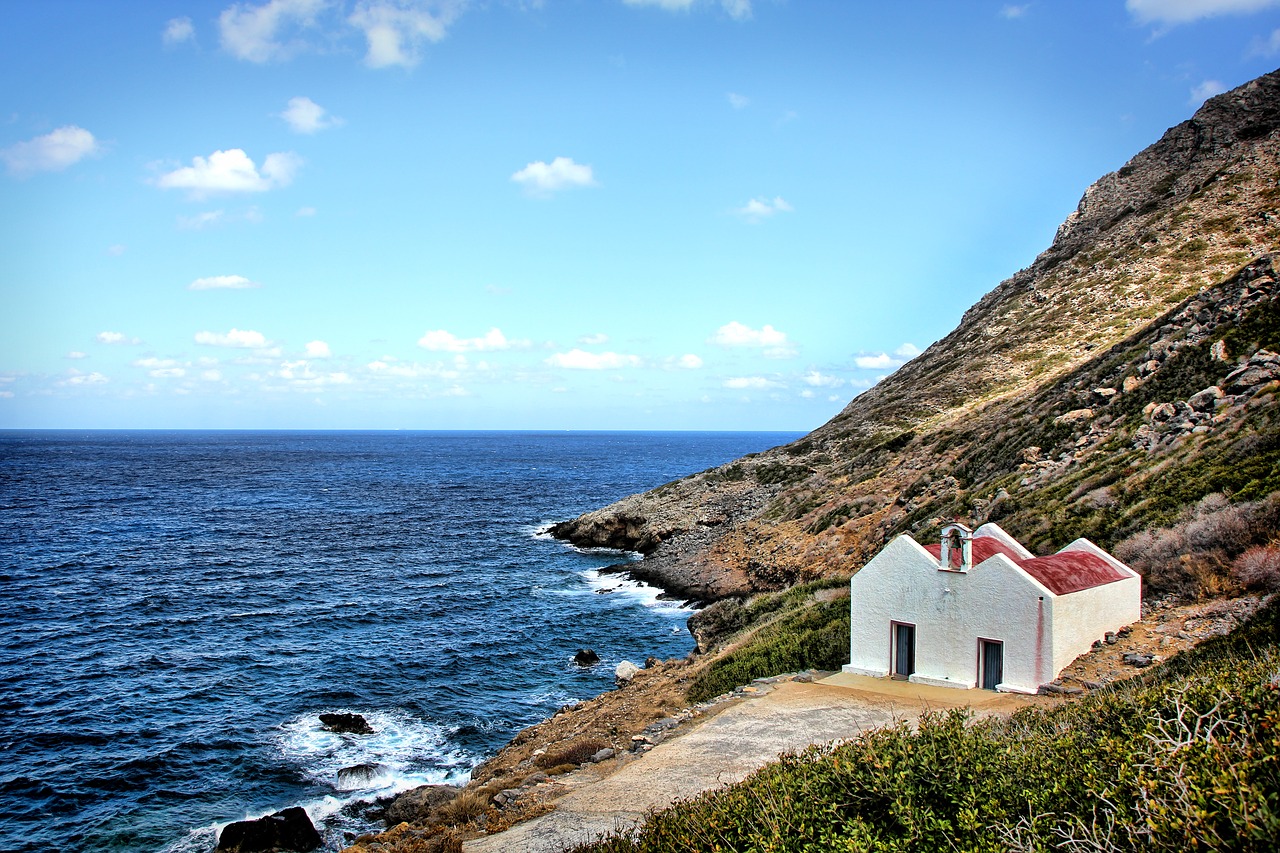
[984, 548]
[1061, 573]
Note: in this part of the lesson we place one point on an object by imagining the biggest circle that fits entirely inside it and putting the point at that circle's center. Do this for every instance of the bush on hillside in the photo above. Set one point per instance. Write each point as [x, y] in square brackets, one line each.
[1194, 556]
[1258, 569]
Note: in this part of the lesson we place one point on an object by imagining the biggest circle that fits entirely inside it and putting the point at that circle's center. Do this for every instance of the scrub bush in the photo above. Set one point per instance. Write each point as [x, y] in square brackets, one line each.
[1182, 757]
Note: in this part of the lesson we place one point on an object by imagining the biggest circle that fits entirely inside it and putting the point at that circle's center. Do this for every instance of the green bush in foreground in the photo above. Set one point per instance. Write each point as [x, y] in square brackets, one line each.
[1185, 757]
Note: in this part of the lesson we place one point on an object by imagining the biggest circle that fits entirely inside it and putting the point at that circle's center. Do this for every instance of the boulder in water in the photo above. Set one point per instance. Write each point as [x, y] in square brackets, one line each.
[289, 829]
[586, 657]
[359, 776]
[415, 805]
[347, 724]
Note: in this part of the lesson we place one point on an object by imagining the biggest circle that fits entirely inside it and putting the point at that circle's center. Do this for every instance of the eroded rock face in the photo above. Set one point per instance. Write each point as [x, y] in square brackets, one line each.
[290, 829]
[414, 806]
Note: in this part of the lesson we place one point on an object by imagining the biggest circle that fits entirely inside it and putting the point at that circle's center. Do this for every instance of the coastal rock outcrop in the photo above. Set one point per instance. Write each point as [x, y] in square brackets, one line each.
[346, 724]
[289, 829]
[359, 776]
[416, 805]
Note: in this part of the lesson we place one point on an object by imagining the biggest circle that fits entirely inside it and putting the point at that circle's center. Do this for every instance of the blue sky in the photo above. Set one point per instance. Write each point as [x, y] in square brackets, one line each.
[566, 214]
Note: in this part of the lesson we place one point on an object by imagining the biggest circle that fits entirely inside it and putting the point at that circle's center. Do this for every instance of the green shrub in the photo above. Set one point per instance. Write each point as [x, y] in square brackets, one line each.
[1183, 757]
[815, 637]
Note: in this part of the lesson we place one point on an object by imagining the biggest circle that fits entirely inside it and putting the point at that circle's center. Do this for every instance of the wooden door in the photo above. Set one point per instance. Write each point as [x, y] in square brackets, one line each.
[992, 664]
[904, 650]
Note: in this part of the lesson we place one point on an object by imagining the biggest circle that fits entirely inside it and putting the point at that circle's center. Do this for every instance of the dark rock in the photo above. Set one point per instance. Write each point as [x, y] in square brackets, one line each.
[534, 779]
[602, 755]
[1124, 632]
[1139, 660]
[415, 805]
[352, 724]
[1092, 685]
[359, 776]
[1110, 638]
[289, 829]
[586, 657]
[651, 662]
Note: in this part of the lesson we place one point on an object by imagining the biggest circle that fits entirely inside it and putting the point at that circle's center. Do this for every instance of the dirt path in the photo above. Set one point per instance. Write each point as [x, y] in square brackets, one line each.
[725, 749]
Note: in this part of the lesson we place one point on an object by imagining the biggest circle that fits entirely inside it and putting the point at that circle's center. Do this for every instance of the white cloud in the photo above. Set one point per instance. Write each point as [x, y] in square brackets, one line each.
[877, 361]
[75, 377]
[389, 366]
[306, 116]
[1205, 91]
[739, 10]
[306, 211]
[822, 380]
[1172, 12]
[116, 250]
[253, 33]
[561, 173]
[167, 373]
[177, 31]
[222, 282]
[576, 359]
[235, 338]
[1013, 12]
[1267, 47]
[200, 220]
[6, 394]
[318, 349]
[299, 373]
[688, 361]
[396, 30]
[75, 353]
[439, 340]
[593, 340]
[116, 338]
[52, 152]
[153, 363]
[738, 102]
[773, 342]
[232, 171]
[759, 209]
[882, 360]
[211, 375]
[754, 383]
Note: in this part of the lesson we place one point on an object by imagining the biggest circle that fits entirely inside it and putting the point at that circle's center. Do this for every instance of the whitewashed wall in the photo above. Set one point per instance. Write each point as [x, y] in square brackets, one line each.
[951, 610]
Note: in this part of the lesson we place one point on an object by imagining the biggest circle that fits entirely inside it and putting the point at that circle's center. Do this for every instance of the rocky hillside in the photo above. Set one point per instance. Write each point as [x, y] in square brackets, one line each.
[1124, 375]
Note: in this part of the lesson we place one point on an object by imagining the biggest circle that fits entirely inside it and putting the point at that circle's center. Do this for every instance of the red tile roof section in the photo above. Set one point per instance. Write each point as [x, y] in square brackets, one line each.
[1061, 573]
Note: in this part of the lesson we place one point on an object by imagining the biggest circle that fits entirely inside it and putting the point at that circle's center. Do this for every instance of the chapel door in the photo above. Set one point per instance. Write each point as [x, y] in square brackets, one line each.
[904, 650]
[992, 664]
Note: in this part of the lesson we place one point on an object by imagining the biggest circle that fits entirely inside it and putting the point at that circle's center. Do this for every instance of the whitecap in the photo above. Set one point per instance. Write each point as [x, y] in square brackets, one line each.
[410, 751]
[632, 591]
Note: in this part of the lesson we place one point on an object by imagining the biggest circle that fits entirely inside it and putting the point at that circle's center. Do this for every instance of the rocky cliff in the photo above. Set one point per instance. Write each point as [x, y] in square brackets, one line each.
[1125, 374]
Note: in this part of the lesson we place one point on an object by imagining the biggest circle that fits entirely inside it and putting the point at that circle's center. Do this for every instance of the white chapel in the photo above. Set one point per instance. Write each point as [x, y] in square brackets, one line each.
[980, 610]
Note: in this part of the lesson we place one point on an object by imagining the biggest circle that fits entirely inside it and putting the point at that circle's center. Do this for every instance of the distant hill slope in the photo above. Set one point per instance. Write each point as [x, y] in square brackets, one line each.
[1125, 374]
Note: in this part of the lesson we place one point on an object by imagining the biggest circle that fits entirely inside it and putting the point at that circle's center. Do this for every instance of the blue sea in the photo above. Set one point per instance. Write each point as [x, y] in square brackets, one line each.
[178, 607]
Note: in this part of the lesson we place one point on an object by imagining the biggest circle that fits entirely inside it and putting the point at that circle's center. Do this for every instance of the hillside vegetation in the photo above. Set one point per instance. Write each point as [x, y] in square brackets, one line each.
[1185, 757]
